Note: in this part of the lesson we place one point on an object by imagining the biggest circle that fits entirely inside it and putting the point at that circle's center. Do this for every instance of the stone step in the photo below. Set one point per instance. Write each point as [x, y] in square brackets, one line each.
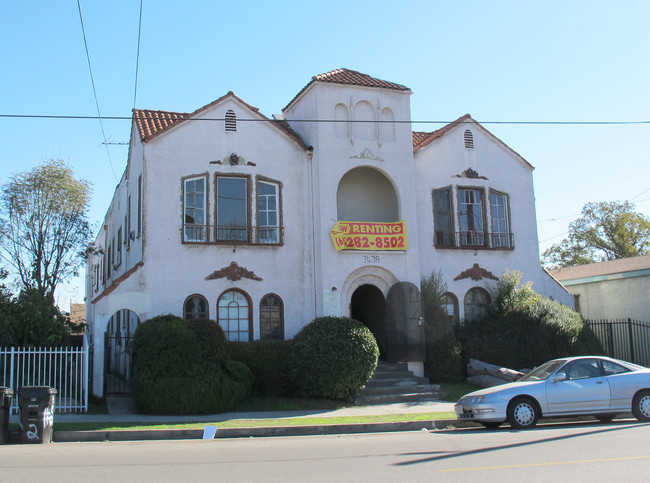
[397, 381]
[370, 400]
[397, 389]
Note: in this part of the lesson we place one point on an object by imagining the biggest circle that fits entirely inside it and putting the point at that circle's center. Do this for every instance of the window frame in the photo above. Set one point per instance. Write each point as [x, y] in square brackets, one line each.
[281, 318]
[248, 203]
[205, 301]
[447, 299]
[250, 315]
[471, 238]
[203, 233]
[443, 238]
[476, 315]
[278, 238]
[500, 239]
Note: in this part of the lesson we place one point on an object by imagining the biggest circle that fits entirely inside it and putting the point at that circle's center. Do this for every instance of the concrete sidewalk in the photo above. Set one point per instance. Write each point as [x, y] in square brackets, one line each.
[123, 413]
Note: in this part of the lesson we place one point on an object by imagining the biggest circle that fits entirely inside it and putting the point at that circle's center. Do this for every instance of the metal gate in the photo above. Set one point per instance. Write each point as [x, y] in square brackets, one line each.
[117, 352]
[404, 328]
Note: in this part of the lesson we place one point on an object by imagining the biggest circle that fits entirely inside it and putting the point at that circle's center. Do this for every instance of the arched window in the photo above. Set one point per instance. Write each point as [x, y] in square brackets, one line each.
[195, 307]
[476, 303]
[231, 121]
[469, 139]
[449, 304]
[271, 318]
[234, 315]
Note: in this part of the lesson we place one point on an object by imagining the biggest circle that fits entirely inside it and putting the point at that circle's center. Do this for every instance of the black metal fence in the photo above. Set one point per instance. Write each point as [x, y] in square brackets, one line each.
[624, 339]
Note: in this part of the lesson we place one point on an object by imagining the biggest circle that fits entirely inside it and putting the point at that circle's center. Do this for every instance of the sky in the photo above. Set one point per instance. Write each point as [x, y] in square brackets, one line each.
[507, 63]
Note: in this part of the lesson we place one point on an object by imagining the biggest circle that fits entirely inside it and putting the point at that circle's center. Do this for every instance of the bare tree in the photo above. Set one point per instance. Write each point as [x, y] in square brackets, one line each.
[44, 229]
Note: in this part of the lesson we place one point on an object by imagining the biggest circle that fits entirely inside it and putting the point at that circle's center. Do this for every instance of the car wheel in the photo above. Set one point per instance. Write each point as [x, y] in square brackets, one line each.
[641, 405]
[522, 413]
[490, 424]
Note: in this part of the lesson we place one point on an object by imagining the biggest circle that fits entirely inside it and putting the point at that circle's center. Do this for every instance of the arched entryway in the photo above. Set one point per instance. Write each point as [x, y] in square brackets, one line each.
[368, 306]
[117, 351]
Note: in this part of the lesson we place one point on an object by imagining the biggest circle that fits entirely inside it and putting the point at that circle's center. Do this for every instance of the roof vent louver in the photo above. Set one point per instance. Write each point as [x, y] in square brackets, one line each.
[469, 139]
[231, 121]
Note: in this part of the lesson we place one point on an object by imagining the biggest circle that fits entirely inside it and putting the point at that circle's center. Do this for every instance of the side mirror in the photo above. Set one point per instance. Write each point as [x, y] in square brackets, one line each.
[559, 377]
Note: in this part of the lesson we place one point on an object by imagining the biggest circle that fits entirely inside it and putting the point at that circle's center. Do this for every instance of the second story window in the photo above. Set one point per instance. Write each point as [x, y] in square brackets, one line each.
[268, 220]
[443, 218]
[194, 210]
[500, 222]
[232, 208]
[470, 217]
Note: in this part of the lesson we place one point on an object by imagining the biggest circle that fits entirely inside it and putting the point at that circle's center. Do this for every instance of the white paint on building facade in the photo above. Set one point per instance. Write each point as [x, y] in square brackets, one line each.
[227, 214]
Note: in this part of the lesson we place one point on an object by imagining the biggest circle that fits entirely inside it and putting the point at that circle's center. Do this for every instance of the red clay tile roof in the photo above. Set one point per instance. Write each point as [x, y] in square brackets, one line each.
[152, 123]
[422, 139]
[351, 78]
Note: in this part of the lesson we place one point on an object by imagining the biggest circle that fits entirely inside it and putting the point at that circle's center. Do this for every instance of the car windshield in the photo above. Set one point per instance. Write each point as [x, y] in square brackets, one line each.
[542, 372]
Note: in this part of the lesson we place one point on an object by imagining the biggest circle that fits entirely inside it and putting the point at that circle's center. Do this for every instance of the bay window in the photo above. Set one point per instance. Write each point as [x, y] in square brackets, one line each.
[232, 209]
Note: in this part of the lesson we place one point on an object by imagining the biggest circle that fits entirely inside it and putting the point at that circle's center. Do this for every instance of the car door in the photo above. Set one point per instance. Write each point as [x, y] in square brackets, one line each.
[585, 389]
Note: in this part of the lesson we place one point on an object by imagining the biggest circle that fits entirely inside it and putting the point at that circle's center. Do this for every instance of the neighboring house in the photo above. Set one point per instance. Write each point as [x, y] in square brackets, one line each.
[613, 289]
[333, 208]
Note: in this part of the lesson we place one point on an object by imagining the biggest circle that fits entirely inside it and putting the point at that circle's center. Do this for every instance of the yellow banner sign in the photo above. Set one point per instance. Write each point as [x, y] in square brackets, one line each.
[359, 235]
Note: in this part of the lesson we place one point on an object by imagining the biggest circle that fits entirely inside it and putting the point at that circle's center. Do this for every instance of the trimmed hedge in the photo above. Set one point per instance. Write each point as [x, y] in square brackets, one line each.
[529, 336]
[333, 357]
[180, 367]
[268, 360]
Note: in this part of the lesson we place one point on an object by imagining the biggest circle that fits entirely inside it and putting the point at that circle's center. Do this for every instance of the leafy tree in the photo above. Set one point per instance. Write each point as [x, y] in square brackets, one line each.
[508, 295]
[604, 231]
[44, 229]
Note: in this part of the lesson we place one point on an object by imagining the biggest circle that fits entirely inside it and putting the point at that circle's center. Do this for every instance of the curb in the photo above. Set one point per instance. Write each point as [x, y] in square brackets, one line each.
[259, 432]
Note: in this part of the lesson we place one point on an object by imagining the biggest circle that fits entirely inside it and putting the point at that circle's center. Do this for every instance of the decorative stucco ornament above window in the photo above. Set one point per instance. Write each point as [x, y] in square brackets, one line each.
[234, 273]
[369, 236]
[233, 160]
[366, 154]
[476, 273]
[471, 174]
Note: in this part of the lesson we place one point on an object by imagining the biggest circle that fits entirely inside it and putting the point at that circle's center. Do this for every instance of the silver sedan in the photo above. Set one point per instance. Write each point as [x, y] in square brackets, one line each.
[573, 386]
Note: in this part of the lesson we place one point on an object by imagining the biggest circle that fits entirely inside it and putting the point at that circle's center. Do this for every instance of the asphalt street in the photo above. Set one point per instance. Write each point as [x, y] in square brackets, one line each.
[573, 452]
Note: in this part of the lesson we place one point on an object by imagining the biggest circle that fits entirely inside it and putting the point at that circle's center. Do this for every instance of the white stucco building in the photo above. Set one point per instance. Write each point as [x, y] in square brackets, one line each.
[332, 208]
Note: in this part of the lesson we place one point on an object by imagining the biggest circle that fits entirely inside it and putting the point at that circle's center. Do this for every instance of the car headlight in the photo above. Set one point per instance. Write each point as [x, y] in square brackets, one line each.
[478, 399]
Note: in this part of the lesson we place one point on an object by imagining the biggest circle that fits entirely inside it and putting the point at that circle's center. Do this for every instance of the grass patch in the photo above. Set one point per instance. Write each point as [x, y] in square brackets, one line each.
[258, 423]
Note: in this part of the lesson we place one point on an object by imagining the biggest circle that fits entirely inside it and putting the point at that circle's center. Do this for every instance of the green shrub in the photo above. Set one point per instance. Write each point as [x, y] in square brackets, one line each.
[333, 357]
[181, 368]
[269, 362]
[443, 360]
[529, 336]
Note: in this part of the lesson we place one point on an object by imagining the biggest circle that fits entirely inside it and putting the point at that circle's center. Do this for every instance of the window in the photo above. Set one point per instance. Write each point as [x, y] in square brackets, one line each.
[443, 221]
[195, 307]
[469, 139]
[271, 318]
[118, 256]
[128, 224]
[194, 210]
[268, 220]
[231, 121]
[139, 205]
[611, 368]
[476, 302]
[500, 228]
[234, 316]
[449, 304]
[232, 209]
[470, 217]
[583, 369]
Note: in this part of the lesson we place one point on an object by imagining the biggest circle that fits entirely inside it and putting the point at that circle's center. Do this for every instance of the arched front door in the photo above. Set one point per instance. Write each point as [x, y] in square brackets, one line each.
[404, 326]
[117, 351]
[368, 306]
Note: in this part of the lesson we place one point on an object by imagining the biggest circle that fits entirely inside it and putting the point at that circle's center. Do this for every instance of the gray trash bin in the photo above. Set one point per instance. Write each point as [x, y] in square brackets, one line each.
[5, 407]
[36, 405]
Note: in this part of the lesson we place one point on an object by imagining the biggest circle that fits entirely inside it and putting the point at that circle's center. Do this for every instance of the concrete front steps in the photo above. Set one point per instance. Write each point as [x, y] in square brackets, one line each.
[394, 383]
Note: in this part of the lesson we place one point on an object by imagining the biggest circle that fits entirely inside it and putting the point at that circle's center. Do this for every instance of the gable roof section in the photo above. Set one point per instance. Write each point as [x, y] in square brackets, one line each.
[154, 123]
[422, 139]
[350, 78]
[604, 270]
